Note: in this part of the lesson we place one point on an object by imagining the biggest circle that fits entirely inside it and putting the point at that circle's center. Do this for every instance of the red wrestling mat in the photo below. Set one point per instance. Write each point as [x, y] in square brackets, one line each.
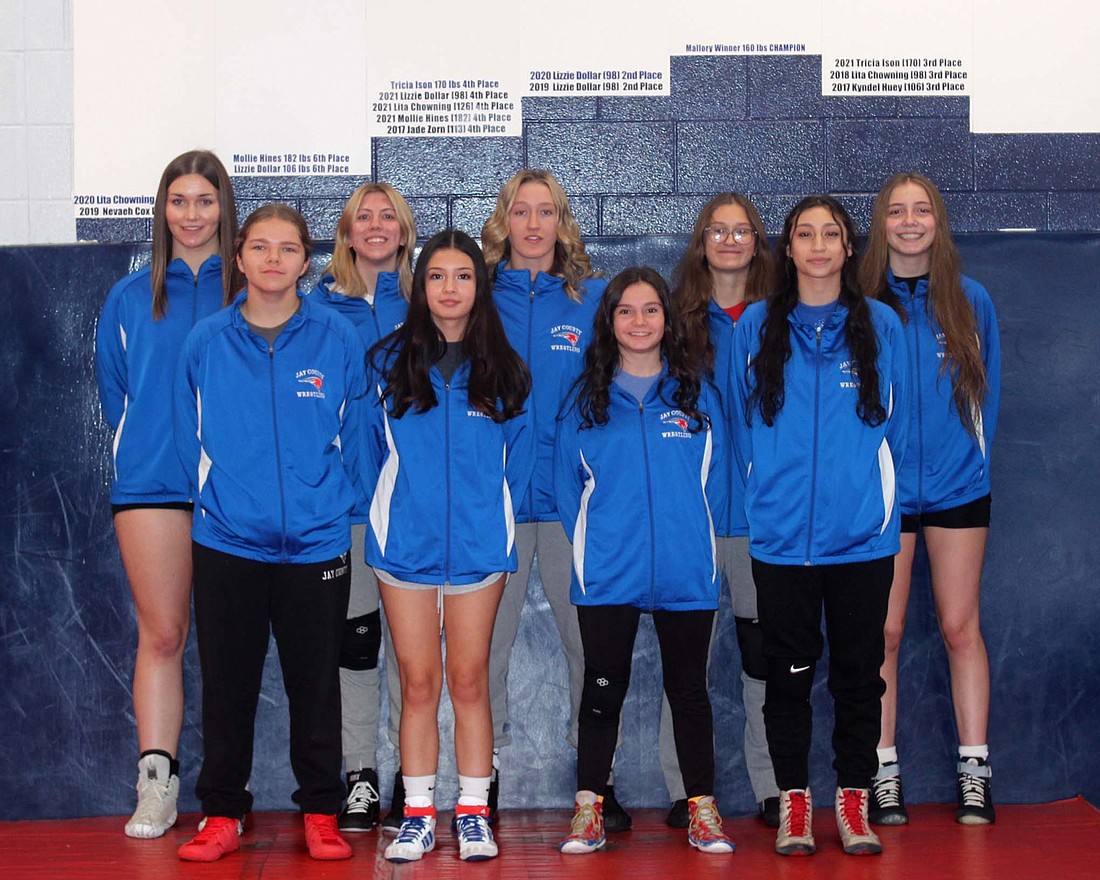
[1059, 841]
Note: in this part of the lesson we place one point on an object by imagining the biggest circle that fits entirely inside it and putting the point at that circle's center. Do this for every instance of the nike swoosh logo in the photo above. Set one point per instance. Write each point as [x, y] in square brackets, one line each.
[797, 669]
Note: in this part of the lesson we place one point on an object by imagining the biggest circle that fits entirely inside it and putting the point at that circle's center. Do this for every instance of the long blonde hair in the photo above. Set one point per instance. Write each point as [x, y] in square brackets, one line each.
[950, 308]
[342, 267]
[571, 263]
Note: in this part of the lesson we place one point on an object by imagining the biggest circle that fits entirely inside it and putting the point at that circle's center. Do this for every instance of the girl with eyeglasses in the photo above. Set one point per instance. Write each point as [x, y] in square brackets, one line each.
[943, 488]
[727, 266]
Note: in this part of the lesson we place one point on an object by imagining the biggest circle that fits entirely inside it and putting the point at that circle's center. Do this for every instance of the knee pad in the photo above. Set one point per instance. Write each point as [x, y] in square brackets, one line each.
[362, 639]
[750, 638]
[602, 700]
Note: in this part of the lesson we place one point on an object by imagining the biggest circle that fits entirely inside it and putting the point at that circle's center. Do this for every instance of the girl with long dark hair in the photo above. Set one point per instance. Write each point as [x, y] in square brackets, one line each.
[140, 333]
[821, 419]
[448, 449]
[638, 472]
[727, 266]
[943, 488]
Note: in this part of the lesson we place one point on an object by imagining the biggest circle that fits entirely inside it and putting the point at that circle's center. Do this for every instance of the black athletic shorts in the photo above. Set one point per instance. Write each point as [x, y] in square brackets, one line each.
[972, 515]
[164, 505]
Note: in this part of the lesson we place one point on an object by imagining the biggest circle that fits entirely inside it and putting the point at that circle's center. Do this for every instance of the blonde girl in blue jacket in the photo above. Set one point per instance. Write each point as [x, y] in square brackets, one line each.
[943, 488]
[368, 281]
[140, 332]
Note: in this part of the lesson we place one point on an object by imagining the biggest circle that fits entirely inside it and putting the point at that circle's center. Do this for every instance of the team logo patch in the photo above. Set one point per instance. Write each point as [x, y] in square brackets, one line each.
[568, 338]
[315, 379]
[676, 424]
[849, 374]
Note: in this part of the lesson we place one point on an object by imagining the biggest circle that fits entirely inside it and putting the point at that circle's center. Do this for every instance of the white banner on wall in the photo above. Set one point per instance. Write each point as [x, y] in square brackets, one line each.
[138, 99]
[789, 28]
[1035, 68]
[587, 49]
[899, 50]
[449, 76]
[288, 94]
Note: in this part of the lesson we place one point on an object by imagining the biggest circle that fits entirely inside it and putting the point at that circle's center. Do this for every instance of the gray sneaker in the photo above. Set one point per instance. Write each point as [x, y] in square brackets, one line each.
[796, 833]
[856, 835]
[157, 790]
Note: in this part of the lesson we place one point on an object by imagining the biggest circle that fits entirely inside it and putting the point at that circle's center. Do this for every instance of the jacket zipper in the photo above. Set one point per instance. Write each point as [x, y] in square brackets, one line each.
[649, 498]
[529, 496]
[813, 466]
[920, 395]
[278, 456]
[447, 460]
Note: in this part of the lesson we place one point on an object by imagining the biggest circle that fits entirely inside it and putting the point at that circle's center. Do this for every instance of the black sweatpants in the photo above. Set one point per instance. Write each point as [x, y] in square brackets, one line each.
[238, 604]
[607, 634]
[855, 597]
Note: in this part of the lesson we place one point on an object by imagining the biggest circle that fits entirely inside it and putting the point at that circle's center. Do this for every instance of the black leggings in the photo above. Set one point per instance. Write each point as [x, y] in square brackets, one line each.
[607, 633]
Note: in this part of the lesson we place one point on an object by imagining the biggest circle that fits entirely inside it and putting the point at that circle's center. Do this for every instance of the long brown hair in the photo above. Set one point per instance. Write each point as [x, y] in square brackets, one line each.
[209, 166]
[342, 267]
[570, 260]
[693, 286]
[950, 309]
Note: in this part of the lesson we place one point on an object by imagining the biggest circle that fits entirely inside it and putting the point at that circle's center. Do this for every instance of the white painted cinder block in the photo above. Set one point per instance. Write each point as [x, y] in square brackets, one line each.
[52, 222]
[11, 24]
[48, 24]
[50, 162]
[14, 222]
[13, 161]
[49, 87]
[13, 89]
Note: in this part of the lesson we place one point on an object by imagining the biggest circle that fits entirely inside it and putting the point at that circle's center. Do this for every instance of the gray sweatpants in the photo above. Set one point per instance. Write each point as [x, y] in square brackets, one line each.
[360, 690]
[555, 563]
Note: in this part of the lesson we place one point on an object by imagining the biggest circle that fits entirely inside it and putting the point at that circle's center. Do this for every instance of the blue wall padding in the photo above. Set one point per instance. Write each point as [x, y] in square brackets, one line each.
[67, 631]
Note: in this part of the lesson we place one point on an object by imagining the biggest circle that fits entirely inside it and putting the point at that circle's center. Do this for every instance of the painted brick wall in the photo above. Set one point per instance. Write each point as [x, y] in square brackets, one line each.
[643, 166]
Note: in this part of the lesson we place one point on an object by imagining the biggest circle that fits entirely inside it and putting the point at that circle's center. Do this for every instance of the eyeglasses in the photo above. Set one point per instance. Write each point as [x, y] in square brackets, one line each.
[719, 234]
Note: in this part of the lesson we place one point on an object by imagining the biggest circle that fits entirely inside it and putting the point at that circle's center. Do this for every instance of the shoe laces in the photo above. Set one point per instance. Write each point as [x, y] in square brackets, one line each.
[361, 796]
[852, 804]
[888, 792]
[797, 818]
[324, 826]
[153, 788]
[413, 829]
[214, 827]
[973, 790]
[472, 828]
[586, 822]
[705, 821]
